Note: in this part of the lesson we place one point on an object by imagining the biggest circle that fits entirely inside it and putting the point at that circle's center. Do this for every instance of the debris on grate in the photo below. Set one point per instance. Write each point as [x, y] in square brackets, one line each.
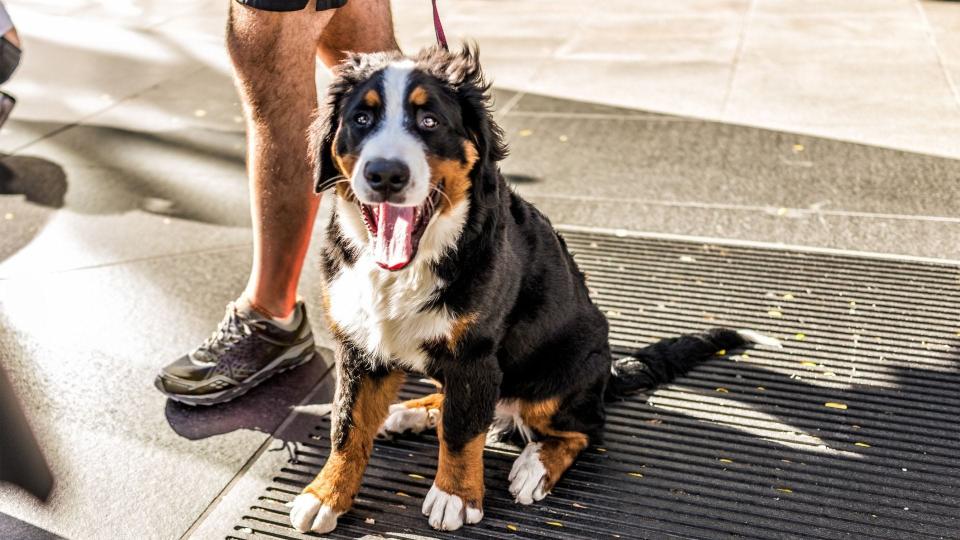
[850, 430]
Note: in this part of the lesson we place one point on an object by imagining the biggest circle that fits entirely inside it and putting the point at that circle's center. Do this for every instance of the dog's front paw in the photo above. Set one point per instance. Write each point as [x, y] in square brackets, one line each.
[307, 513]
[528, 476]
[448, 512]
[402, 419]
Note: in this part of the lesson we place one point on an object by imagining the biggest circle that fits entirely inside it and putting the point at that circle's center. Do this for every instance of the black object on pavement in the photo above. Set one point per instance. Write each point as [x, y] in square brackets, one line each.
[21, 461]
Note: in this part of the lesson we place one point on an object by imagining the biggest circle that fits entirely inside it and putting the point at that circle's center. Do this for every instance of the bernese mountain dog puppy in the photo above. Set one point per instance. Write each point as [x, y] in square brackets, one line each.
[432, 265]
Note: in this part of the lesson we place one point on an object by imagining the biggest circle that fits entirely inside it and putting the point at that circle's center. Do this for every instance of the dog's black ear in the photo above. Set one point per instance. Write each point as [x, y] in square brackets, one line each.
[323, 131]
[474, 92]
[462, 72]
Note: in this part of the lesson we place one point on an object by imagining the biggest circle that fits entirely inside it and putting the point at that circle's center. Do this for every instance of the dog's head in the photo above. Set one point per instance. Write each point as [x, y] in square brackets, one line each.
[408, 143]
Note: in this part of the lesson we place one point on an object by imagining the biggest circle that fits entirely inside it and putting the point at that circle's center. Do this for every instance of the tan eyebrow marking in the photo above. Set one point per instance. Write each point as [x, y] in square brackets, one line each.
[419, 96]
[372, 98]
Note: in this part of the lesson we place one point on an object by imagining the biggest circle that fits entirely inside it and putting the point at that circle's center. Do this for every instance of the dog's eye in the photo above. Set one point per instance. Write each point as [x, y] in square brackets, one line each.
[362, 119]
[428, 121]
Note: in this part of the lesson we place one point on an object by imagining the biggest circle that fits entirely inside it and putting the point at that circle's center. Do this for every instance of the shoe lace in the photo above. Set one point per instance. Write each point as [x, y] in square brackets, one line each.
[233, 328]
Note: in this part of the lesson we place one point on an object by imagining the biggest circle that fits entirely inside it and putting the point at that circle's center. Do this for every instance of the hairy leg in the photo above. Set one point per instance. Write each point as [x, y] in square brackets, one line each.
[360, 26]
[273, 57]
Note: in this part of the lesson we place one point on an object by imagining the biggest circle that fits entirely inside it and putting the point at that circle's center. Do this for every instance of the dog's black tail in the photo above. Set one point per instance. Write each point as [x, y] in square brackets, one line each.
[663, 361]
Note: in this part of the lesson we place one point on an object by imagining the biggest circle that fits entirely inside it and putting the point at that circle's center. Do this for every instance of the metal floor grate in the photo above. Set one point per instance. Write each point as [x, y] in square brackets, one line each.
[851, 430]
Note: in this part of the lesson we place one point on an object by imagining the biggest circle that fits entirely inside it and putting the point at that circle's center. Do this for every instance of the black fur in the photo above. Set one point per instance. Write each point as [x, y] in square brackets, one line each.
[537, 334]
[667, 359]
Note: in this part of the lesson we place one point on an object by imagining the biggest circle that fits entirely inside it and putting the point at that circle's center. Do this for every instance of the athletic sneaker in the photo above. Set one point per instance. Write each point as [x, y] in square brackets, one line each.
[7, 102]
[246, 350]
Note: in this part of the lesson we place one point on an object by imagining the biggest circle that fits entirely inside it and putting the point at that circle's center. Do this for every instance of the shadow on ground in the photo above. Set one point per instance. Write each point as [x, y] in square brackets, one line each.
[39, 181]
[262, 409]
[13, 528]
[191, 174]
[42, 184]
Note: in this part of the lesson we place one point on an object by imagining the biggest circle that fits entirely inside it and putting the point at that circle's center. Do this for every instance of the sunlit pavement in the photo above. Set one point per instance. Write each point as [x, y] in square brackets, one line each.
[123, 217]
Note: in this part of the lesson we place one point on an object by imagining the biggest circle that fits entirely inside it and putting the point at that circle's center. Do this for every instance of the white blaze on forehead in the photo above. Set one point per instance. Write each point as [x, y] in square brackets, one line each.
[396, 79]
[392, 139]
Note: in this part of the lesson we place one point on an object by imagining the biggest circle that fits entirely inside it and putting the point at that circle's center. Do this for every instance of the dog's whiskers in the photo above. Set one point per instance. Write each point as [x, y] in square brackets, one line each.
[441, 192]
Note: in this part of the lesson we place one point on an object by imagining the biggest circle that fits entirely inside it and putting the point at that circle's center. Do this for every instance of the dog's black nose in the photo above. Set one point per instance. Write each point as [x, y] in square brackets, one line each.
[386, 175]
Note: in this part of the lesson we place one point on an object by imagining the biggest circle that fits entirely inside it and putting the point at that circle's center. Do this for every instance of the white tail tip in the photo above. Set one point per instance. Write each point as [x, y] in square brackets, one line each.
[760, 339]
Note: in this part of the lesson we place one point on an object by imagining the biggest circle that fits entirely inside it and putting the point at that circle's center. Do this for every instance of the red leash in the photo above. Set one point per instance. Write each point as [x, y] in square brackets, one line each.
[438, 28]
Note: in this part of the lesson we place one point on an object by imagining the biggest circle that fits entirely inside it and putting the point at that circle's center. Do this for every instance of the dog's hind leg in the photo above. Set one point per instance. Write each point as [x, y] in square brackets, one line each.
[414, 416]
[542, 463]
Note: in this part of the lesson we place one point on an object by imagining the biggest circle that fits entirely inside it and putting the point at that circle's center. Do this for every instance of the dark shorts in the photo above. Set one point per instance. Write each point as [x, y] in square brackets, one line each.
[291, 5]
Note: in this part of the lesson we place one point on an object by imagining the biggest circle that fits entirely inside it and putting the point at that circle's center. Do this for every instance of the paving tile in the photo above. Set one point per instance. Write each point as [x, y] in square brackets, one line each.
[693, 88]
[944, 21]
[714, 8]
[82, 348]
[847, 73]
[538, 104]
[139, 14]
[14, 528]
[829, 36]
[767, 92]
[42, 241]
[637, 36]
[202, 98]
[724, 164]
[902, 8]
[68, 75]
[93, 196]
[167, 163]
[920, 238]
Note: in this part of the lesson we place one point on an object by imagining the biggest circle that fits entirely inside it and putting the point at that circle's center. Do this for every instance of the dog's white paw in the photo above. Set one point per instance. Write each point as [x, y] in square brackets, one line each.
[528, 476]
[308, 514]
[447, 512]
[401, 419]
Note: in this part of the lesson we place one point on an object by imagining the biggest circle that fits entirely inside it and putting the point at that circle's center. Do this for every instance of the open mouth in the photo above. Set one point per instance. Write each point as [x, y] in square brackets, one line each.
[396, 230]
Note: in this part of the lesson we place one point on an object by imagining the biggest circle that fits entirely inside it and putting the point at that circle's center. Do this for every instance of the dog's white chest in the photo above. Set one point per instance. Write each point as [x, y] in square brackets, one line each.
[383, 312]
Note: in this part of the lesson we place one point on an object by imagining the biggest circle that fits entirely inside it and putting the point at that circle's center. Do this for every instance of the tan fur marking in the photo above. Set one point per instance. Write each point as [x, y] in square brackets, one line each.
[557, 455]
[345, 164]
[459, 329]
[419, 96]
[559, 448]
[461, 473]
[371, 98]
[431, 402]
[345, 192]
[454, 174]
[339, 481]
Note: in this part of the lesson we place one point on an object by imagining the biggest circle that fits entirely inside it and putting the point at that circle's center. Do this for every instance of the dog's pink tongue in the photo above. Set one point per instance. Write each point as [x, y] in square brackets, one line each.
[394, 246]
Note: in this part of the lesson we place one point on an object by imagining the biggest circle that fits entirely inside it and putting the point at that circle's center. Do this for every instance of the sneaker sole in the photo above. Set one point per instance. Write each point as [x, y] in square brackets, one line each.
[282, 365]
